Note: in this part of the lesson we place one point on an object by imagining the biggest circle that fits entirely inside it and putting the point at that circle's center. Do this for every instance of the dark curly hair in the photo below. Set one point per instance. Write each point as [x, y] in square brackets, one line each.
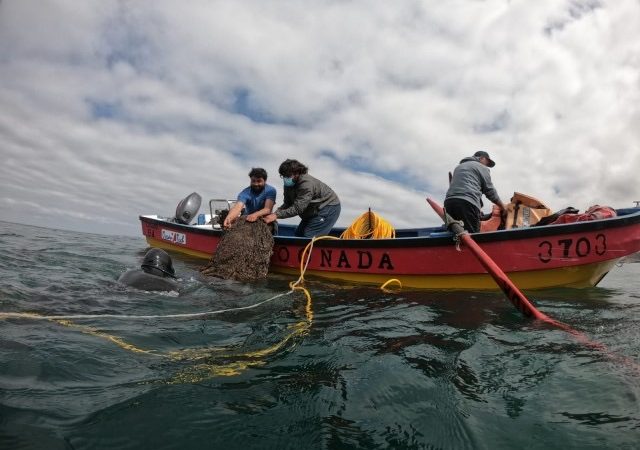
[258, 172]
[291, 167]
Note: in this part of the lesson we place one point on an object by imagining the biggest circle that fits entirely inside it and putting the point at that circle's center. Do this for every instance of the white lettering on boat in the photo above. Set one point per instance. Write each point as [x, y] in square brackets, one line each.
[174, 236]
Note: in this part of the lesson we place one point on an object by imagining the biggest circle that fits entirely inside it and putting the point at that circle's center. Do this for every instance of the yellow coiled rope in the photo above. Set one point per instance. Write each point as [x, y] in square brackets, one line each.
[369, 226]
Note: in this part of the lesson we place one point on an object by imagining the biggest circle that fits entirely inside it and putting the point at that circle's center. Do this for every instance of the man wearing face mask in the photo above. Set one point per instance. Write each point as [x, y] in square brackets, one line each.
[255, 201]
[305, 196]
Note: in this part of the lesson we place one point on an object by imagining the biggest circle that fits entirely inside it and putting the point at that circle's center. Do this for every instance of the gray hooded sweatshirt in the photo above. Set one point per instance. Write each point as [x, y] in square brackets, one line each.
[470, 180]
[306, 198]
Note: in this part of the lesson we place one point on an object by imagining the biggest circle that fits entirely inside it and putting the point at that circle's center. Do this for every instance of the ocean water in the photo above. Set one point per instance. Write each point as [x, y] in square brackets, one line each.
[349, 368]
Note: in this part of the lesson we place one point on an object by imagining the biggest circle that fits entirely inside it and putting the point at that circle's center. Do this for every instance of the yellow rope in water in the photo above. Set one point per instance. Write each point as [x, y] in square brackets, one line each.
[369, 226]
[116, 340]
[242, 360]
[384, 288]
[254, 358]
[201, 371]
[306, 257]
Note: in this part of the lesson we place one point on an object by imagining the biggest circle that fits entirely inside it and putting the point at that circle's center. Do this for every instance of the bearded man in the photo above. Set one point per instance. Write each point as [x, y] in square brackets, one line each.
[255, 201]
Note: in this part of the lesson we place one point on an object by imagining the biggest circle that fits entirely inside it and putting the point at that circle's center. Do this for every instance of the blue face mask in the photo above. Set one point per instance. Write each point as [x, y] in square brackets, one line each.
[288, 181]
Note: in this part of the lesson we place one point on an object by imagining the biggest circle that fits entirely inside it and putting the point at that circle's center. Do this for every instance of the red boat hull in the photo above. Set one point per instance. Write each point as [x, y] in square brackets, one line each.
[576, 255]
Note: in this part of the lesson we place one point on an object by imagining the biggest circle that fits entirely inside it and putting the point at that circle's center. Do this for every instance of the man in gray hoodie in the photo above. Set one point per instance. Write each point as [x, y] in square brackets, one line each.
[470, 180]
[305, 196]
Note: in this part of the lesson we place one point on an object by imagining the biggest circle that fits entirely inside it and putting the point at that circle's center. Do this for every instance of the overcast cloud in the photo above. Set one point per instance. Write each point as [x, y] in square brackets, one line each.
[111, 109]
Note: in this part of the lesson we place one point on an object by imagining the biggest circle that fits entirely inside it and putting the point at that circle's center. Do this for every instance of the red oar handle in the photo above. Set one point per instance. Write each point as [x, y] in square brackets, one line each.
[515, 296]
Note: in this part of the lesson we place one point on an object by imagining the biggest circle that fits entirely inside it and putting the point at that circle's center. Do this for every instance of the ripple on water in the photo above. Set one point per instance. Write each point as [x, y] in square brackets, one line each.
[370, 370]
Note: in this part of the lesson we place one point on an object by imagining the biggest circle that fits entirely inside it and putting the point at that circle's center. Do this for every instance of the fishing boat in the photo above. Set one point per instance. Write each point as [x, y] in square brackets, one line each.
[574, 255]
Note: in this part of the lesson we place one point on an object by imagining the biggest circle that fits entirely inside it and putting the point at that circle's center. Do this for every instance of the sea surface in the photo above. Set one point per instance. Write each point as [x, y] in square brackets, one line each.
[348, 368]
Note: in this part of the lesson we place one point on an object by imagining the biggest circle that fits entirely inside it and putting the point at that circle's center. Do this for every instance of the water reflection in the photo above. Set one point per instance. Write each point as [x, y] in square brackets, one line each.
[367, 369]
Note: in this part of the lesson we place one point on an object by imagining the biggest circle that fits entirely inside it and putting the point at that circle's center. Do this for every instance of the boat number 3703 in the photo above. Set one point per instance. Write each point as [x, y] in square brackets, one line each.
[580, 247]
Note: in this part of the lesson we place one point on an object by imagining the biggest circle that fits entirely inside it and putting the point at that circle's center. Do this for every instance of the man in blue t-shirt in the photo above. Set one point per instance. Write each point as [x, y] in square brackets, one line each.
[255, 201]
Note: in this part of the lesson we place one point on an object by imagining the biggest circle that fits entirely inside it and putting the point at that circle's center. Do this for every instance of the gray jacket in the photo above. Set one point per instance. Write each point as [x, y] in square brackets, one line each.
[306, 198]
[470, 180]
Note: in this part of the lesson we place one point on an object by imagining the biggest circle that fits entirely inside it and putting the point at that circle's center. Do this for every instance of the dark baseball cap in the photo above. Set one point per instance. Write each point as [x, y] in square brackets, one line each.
[482, 154]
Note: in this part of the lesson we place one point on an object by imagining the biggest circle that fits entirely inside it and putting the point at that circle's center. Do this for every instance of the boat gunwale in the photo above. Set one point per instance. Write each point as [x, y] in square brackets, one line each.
[444, 237]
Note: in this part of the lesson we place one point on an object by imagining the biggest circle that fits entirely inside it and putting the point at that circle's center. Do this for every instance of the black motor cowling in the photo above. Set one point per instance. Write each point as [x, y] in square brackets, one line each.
[188, 208]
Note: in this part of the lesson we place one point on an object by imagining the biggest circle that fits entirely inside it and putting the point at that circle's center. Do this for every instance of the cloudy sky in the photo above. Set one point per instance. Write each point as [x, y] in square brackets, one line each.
[111, 109]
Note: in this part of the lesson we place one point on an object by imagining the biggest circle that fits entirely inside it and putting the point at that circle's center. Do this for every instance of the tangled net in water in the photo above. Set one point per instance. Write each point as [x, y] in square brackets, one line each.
[244, 252]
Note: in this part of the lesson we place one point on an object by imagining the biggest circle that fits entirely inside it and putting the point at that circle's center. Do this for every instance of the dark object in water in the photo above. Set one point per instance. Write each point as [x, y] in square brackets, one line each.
[144, 281]
[158, 262]
[244, 252]
[156, 273]
[188, 208]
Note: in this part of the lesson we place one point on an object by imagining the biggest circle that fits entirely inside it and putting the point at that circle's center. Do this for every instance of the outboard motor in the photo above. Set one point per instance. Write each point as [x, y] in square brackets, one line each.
[188, 208]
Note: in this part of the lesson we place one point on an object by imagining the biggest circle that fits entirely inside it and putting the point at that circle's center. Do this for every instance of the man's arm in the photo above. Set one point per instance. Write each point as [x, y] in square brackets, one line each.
[490, 191]
[268, 207]
[233, 215]
[303, 196]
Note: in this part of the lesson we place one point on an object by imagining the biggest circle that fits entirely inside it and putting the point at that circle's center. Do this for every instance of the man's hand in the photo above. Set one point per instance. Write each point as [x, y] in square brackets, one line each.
[270, 218]
[252, 217]
[228, 221]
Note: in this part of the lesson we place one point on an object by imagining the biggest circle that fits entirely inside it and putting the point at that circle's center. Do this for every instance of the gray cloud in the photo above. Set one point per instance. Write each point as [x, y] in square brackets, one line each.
[111, 109]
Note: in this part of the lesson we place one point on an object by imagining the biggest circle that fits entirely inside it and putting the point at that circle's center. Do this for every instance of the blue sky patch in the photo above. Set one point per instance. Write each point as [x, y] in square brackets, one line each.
[101, 109]
[245, 104]
[497, 123]
[362, 165]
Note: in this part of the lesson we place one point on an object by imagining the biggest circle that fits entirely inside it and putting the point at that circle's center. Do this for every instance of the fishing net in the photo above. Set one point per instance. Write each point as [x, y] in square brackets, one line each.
[243, 253]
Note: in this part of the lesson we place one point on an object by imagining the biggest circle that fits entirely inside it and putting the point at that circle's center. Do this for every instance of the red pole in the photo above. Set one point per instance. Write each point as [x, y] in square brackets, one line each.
[515, 296]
